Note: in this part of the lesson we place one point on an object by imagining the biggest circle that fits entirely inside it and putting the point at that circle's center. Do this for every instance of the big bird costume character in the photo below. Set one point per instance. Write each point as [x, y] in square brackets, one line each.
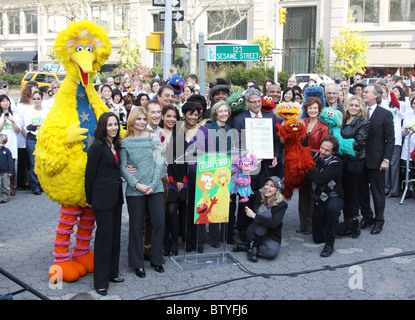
[63, 141]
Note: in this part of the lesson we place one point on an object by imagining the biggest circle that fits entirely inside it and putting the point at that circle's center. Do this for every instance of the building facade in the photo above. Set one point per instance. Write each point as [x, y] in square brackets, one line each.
[27, 33]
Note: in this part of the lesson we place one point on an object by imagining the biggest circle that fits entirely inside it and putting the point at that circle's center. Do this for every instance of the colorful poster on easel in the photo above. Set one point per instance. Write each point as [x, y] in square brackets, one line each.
[212, 188]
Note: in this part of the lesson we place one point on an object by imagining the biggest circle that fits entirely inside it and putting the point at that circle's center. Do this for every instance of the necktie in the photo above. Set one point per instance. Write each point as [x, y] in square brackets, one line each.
[256, 116]
[369, 109]
[86, 115]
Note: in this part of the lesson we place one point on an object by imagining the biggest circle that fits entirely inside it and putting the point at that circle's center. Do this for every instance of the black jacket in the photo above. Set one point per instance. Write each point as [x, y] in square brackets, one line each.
[274, 224]
[358, 129]
[102, 178]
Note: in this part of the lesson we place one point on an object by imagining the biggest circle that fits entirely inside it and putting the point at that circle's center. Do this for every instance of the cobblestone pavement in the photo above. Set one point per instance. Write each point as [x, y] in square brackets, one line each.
[372, 267]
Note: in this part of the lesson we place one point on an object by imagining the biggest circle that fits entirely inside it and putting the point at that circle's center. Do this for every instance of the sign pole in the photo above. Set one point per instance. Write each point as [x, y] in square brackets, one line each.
[168, 26]
[276, 59]
[202, 64]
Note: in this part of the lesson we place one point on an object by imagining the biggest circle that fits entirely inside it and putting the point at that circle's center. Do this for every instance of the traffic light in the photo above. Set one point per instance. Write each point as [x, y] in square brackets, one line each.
[153, 42]
[283, 13]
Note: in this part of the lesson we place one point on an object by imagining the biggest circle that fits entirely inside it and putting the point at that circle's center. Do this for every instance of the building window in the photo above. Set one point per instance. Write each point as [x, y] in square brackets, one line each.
[300, 40]
[227, 25]
[402, 10]
[1, 23]
[31, 21]
[365, 10]
[14, 22]
[122, 17]
[100, 16]
[56, 23]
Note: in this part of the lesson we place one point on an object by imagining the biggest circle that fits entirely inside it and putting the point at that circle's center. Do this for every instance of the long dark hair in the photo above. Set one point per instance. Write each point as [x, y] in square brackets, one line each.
[4, 97]
[101, 130]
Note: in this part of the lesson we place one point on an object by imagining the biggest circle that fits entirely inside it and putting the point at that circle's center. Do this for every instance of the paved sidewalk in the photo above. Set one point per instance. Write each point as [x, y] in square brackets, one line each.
[364, 268]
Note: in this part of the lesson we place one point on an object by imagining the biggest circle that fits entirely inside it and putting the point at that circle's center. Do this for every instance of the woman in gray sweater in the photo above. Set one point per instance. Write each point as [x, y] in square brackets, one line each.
[144, 151]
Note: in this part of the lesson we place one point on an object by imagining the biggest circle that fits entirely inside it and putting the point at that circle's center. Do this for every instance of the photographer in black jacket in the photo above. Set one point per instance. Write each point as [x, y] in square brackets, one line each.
[327, 193]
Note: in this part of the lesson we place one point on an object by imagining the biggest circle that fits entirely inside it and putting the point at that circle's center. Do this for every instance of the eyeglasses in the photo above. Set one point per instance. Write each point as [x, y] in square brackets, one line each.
[36, 99]
[255, 102]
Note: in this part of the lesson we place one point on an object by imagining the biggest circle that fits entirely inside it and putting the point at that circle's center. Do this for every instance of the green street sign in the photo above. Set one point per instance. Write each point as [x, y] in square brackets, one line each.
[233, 53]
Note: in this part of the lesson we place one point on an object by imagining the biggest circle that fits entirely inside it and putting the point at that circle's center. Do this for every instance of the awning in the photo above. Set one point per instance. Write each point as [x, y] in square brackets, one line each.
[18, 56]
[391, 57]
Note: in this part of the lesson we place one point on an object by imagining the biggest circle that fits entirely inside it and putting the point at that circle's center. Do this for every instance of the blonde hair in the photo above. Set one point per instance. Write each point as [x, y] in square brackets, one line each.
[363, 110]
[3, 138]
[132, 117]
[278, 198]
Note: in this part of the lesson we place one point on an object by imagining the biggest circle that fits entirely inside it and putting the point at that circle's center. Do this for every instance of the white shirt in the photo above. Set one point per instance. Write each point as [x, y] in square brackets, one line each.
[408, 121]
[8, 130]
[33, 116]
[253, 115]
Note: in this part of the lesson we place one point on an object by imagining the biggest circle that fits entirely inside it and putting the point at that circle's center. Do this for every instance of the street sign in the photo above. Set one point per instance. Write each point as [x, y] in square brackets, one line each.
[277, 51]
[233, 53]
[177, 15]
[162, 3]
[266, 58]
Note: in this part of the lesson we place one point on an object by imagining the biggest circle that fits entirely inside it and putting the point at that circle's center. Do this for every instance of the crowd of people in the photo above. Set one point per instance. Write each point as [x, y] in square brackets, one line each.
[166, 126]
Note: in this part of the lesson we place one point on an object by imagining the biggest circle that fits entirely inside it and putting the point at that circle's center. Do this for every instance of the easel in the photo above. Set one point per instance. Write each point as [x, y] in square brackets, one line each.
[219, 257]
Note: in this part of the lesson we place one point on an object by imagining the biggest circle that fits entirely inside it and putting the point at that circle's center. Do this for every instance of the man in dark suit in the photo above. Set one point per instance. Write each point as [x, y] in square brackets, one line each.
[267, 167]
[379, 149]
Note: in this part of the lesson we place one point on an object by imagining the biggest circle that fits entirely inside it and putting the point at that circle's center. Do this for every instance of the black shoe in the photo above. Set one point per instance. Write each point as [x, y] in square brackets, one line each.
[240, 247]
[252, 253]
[230, 241]
[215, 245]
[102, 292]
[140, 272]
[159, 269]
[364, 223]
[117, 280]
[200, 248]
[327, 250]
[355, 228]
[376, 229]
[37, 192]
[174, 249]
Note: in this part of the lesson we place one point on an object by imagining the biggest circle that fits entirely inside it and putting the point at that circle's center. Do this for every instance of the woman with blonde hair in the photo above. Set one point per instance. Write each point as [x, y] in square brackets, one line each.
[356, 126]
[265, 231]
[144, 151]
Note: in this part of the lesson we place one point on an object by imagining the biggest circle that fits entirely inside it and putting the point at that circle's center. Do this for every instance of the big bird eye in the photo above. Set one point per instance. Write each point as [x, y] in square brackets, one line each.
[89, 48]
[79, 47]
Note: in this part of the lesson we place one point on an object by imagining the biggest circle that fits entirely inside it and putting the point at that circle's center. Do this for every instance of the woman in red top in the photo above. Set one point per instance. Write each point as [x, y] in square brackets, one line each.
[316, 130]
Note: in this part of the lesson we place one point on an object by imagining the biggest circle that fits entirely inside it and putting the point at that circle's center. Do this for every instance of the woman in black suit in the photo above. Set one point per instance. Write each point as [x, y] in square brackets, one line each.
[104, 194]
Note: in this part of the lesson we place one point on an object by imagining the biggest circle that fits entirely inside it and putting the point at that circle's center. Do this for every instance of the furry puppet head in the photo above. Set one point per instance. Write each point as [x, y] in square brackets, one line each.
[82, 48]
[247, 163]
[237, 103]
[268, 104]
[314, 91]
[331, 117]
[292, 130]
[289, 110]
[177, 84]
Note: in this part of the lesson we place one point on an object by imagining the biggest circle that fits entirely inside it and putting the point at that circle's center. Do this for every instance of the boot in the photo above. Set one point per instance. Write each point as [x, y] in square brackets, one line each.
[344, 228]
[63, 267]
[252, 252]
[355, 227]
[238, 247]
[82, 250]
[12, 182]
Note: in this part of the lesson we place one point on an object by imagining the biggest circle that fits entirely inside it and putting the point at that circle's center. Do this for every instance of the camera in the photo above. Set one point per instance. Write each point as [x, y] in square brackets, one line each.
[6, 114]
[4, 86]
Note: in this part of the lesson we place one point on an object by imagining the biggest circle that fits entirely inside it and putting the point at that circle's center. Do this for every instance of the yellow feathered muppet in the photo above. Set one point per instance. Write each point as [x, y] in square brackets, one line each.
[62, 144]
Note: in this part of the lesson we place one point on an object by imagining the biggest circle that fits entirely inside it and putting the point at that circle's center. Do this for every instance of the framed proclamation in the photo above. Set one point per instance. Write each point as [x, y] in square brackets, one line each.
[259, 139]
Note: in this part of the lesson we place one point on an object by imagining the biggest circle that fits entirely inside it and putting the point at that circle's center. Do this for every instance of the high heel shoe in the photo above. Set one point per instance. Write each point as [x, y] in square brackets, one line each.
[117, 280]
[140, 272]
[102, 292]
[159, 269]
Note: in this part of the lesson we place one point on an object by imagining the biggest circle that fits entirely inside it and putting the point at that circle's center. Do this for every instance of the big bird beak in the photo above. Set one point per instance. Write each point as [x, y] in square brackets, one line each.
[84, 61]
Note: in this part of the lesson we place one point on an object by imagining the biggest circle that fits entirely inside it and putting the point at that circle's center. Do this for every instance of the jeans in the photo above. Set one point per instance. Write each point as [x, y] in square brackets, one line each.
[30, 146]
